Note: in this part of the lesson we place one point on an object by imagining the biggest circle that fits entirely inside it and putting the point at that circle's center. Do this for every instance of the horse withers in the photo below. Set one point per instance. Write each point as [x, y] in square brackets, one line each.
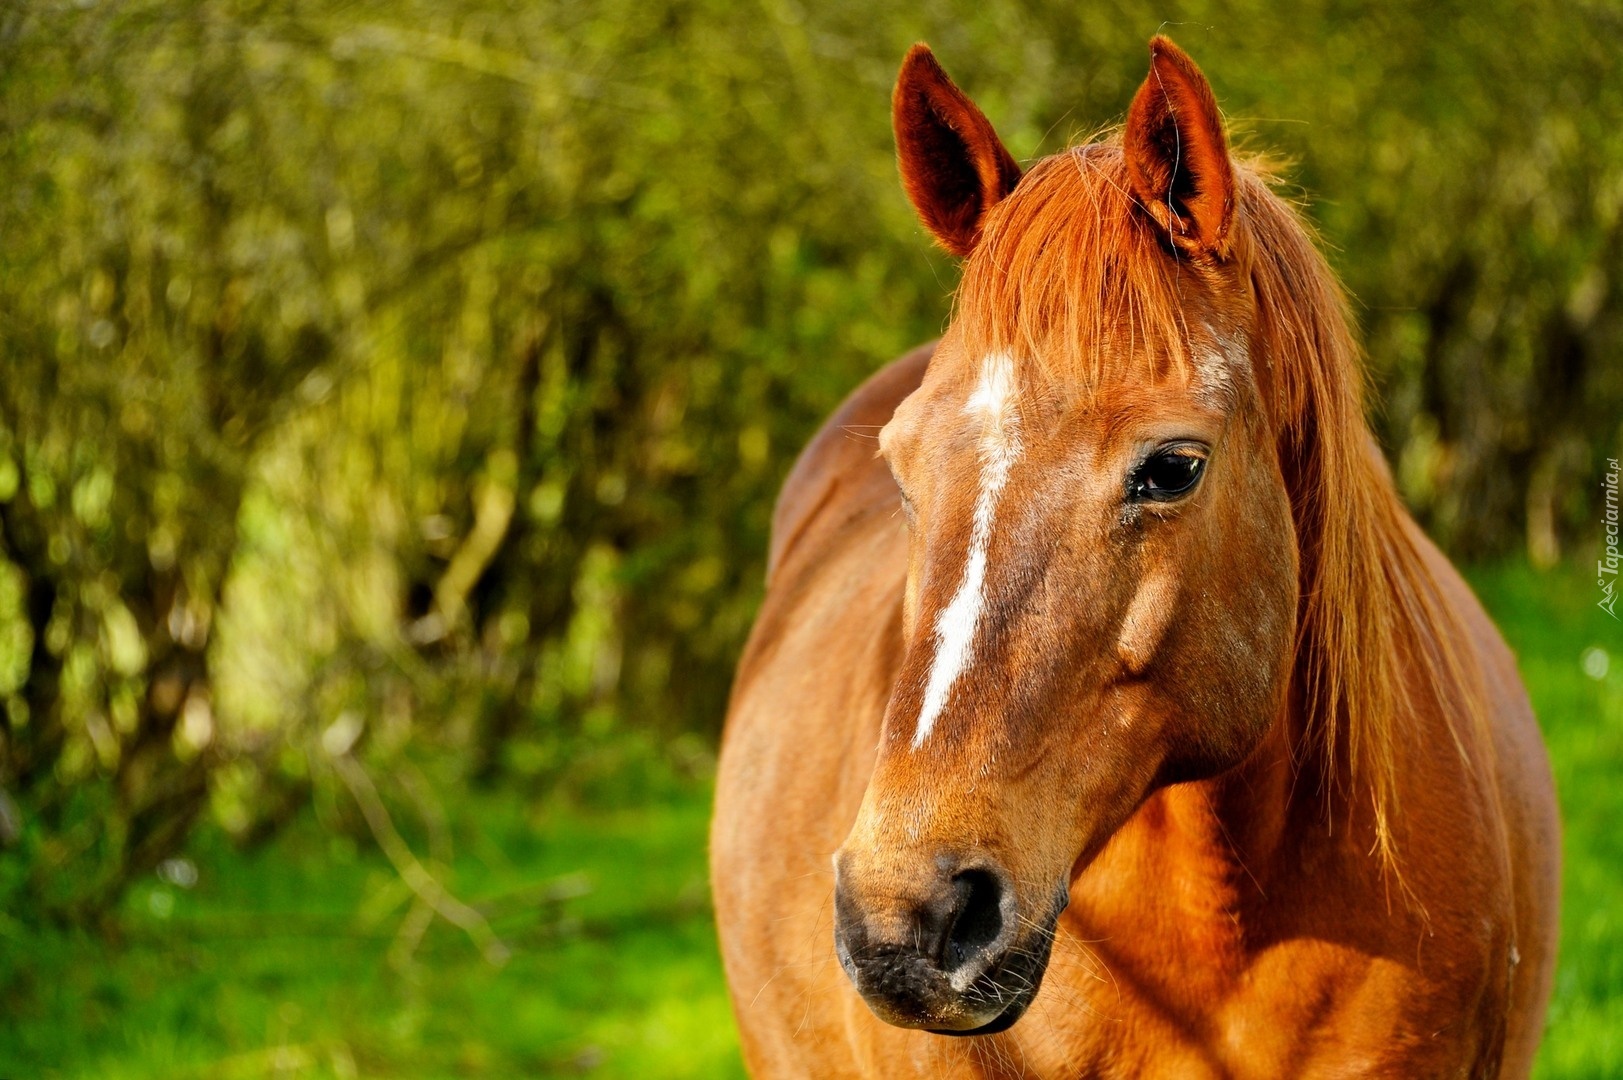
[1115, 716]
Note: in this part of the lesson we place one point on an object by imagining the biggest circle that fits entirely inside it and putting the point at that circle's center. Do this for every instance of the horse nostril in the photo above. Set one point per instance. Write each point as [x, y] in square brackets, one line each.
[979, 919]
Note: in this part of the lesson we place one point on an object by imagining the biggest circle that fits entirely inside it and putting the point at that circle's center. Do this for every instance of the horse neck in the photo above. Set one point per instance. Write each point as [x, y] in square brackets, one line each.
[1230, 839]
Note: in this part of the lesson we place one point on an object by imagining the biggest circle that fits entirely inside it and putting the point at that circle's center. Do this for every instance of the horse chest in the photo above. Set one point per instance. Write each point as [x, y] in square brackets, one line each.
[1302, 1009]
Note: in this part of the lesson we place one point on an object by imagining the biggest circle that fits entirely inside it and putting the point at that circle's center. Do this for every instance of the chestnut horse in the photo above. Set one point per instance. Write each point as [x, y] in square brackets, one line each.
[1115, 713]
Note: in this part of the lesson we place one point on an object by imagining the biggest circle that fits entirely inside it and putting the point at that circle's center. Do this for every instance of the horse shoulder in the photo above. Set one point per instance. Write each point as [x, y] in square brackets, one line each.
[1522, 793]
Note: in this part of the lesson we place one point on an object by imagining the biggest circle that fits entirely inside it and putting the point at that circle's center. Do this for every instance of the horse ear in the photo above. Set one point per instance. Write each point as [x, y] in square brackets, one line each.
[1177, 158]
[953, 165]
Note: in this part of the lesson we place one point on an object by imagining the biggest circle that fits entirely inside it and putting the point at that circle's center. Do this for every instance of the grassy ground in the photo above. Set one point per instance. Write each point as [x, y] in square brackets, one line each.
[1571, 656]
[277, 963]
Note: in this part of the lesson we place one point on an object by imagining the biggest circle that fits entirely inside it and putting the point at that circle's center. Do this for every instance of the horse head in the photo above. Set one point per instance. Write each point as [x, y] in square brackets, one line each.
[1102, 589]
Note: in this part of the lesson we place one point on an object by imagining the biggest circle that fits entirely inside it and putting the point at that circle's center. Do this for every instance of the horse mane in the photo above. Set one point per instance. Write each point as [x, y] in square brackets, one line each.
[1068, 274]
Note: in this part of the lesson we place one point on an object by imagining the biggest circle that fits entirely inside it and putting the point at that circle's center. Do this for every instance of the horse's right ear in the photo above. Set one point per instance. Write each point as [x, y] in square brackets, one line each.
[953, 165]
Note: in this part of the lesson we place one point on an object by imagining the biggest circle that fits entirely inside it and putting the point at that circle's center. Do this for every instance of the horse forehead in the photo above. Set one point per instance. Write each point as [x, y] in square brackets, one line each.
[998, 394]
[1086, 426]
[964, 395]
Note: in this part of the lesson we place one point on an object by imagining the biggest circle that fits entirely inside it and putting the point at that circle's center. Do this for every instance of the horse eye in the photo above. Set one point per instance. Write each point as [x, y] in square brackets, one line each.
[1170, 473]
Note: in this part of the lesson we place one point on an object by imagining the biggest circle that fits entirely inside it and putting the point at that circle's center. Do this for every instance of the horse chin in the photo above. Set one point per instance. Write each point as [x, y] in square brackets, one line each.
[1002, 1022]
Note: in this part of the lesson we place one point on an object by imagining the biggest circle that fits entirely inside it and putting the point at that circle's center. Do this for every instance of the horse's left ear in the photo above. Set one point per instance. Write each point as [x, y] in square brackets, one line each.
[953, 165]
[1177, 158]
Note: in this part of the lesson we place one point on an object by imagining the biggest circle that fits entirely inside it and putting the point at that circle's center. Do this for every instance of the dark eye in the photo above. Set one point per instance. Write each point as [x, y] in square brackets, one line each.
[1169, 473]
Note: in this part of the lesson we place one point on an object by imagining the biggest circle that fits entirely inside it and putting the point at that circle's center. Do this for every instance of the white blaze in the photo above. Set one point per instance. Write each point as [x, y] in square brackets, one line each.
[993, 402]
[1214, 368]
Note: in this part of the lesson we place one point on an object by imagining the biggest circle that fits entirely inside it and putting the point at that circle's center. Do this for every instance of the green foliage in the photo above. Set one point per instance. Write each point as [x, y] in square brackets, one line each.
[409, 382]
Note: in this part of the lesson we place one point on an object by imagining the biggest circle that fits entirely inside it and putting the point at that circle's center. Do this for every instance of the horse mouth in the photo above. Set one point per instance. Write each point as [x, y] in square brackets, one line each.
[907, 991]
[1015, 982]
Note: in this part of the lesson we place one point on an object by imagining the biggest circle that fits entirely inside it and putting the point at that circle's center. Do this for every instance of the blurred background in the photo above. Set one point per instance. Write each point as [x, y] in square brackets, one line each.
[392, 400]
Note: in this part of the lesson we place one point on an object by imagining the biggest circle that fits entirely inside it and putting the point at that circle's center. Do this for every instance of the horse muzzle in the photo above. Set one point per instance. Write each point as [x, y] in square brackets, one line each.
[942, 951]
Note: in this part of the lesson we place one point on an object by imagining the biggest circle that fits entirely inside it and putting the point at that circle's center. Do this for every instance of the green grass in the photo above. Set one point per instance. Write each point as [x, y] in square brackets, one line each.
[277, 962]
[1551, 621]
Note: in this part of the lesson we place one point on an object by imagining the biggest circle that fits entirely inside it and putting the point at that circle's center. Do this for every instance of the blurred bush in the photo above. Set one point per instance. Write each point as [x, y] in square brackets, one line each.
[410, 382]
